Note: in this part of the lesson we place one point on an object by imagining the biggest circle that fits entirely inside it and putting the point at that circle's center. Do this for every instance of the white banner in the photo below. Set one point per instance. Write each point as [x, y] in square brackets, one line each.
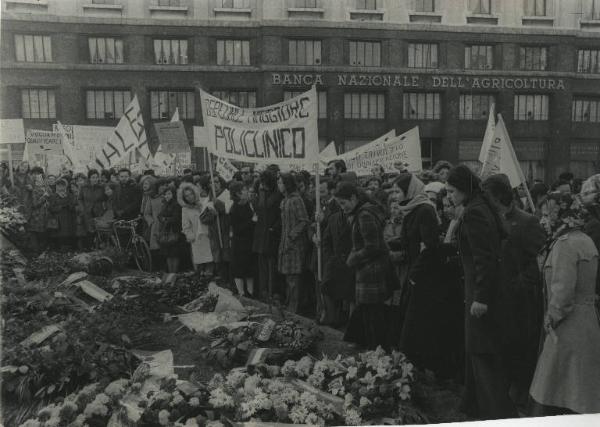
[225, 169]
[501, 157]
[87, 143]
[488, 136]
[200, 137]
[12, 131]
[127, 144]
[386, 151]
[280, 133]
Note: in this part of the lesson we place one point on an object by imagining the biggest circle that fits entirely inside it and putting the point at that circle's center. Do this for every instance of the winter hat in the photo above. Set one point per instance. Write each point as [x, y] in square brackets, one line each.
[434, 187]
[464, 180]
[403, 181]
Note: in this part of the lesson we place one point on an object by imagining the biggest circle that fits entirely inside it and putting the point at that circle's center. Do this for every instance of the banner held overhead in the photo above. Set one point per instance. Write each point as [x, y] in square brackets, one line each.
[284, 132]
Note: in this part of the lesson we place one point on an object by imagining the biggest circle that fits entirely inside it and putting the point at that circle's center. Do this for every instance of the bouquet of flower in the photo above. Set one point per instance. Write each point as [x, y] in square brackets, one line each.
[244, 397]
[372, 384]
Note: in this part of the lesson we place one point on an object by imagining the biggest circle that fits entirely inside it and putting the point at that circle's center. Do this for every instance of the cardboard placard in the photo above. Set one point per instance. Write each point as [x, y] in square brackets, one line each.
[12, 131]
[172, 137]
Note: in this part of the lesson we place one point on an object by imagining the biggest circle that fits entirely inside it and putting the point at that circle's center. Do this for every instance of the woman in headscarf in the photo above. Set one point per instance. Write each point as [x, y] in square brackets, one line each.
[196, 232]
[424, 291]
[369, 259]
[479, 236]
[567, 376]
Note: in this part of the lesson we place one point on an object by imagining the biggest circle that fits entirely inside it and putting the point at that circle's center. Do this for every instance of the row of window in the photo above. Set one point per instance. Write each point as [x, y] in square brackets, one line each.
[109, 50]
[479, 7]
[110, 104]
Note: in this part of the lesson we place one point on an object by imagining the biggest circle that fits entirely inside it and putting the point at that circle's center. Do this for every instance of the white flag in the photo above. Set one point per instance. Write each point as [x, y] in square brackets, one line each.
[68, 148]
[128, 144]
[488, 136]
[175, 117]
[328, 152]
[501, 157]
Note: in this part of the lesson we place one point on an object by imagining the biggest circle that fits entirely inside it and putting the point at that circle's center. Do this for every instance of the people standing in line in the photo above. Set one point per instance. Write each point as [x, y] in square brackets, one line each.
[294, 239]
[91, 198]
[243, 220]
[267, 233]
[37, 223]
[61, 222]
[567, 376]
[480, 235]
[169, 237]
[369, 259]
[129, 198]
[195, 230]
[521, 287]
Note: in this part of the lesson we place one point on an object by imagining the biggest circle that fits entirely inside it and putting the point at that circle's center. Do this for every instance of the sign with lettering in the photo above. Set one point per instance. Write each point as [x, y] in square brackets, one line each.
[418, 81]
[172, 137]
[585, 151]
[284, 132]
[43, 142]
[12, 131]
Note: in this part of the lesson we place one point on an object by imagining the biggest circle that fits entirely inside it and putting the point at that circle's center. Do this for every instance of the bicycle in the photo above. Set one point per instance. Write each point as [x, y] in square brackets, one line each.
[135, 246]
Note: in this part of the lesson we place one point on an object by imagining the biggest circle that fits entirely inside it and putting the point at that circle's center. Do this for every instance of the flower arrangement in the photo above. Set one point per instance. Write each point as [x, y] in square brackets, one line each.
[242, 396]
[373, 384]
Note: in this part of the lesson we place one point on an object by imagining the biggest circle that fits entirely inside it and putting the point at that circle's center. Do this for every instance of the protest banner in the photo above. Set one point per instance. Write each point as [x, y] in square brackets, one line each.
[86, 141]
[385, 152]
[488, 136]
[171, 137]
[225, 169]
[12, 131]
[127, 144]
[200, 137]
[501, 158]
[280, 133]
[42, 142]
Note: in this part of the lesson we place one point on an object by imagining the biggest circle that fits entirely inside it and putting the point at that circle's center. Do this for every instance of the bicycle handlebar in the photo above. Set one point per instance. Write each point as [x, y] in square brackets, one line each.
[127, 222]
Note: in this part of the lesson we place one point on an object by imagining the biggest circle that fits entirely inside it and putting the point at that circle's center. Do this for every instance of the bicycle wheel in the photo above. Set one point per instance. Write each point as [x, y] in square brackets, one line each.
[141, 254]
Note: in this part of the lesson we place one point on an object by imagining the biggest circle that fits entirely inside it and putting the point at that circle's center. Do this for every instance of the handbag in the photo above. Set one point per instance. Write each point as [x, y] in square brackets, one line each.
[52, 223]
[168, 237]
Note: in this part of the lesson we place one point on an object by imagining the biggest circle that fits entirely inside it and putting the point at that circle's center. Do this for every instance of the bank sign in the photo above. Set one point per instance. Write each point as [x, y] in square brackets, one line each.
[417, 81]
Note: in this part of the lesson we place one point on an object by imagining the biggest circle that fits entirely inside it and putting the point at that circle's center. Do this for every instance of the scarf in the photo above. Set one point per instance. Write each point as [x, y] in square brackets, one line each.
[416, 196]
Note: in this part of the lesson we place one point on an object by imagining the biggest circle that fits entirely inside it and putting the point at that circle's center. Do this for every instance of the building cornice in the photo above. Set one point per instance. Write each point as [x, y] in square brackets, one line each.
[272, 23]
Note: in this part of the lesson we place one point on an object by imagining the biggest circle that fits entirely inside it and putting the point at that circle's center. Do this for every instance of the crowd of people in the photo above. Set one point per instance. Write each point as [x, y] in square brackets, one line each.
[473, 280]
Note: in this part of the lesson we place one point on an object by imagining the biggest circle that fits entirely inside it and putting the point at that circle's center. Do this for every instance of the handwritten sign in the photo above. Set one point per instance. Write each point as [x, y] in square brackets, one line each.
[172, 137]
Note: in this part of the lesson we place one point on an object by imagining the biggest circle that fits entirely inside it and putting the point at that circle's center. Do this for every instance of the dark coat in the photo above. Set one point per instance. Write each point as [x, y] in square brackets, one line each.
[426, 290]
[328, 208]
[127, 205]
[242, 228]
[91, 198]
[267, 231]
[479, 241]
[294, 236]
[521, 296]
[338, 278]
[369, 257]
[63, 209]
[169, 220]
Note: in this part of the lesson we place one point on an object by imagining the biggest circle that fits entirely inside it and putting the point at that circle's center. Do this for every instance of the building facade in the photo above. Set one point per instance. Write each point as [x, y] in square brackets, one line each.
[377, 64]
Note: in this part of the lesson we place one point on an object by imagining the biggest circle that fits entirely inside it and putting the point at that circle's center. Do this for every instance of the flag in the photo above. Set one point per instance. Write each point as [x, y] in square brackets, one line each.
[68, 148]
[328, 152]
[488, 136]
[175, 117]
[128, 144]
[501, 157]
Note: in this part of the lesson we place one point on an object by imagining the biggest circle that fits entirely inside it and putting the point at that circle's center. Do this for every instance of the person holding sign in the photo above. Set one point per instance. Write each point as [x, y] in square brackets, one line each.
[294, 239]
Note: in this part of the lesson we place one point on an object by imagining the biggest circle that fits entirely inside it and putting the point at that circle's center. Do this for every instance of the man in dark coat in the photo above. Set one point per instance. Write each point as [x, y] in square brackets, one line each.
[521, 287]
[480, 234]
[129, 199]
[267, 232]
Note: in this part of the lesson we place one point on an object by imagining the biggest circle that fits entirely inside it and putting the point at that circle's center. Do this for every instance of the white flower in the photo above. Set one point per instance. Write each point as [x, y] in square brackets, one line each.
[348, 399]
[352, 417]
[95, 408]
[304, 366]
[216, 381]
[163, 417]
[316, 379]
[220, 399]
[289, 368]
[404, 392]
[298, 414]
[251, 384]
[102, 398]
[116, 388]
[79, 421]
[191, 422]
[352, 372]
[194, 401]
[364, 402]
[214, 424]
[236, 379]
